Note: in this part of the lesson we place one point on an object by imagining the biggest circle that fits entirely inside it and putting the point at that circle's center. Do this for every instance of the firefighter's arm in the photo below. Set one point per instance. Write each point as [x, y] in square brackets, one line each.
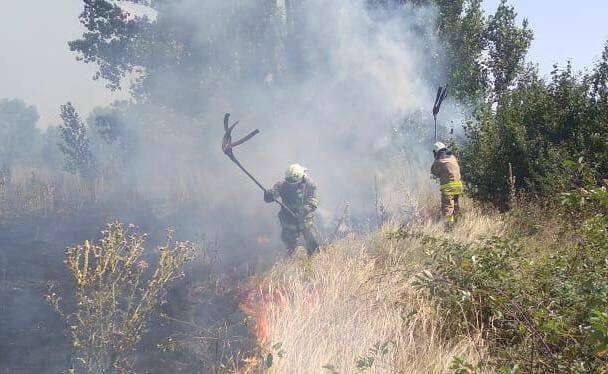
[435, 170]
[312, 198]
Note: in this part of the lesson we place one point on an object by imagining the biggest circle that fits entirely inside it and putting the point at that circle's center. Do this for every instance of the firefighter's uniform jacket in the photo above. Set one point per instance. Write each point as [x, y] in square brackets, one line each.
[447, 170]
[302, 199]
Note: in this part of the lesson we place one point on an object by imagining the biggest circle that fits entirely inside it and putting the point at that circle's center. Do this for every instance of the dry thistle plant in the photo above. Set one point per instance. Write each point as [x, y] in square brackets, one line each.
[116, 295]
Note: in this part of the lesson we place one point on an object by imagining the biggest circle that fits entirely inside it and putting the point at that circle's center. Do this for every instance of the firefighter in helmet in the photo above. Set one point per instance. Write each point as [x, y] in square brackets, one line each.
[447, 170]
[299, 194]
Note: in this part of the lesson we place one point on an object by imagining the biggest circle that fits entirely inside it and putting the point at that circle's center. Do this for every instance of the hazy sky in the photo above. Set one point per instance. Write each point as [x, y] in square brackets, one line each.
[35, 63]
[36, 66]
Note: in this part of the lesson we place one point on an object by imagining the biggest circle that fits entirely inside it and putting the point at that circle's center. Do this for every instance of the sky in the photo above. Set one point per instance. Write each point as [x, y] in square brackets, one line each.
[563, 30]
[36, 65]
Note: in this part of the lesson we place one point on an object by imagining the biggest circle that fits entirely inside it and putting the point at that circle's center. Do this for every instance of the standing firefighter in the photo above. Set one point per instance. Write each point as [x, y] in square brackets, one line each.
[447, 170]
[298, 193]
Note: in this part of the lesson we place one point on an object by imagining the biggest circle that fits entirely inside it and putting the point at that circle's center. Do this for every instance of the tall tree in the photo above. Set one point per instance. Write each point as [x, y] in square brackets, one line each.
[508, 45]
[75, 145]
[479, 55]
[600, 78]
[461, 30]
[181, 62]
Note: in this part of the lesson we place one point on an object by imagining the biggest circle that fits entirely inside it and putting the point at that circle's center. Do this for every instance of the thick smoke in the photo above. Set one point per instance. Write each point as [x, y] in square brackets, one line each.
[344, 76]
[335, 85]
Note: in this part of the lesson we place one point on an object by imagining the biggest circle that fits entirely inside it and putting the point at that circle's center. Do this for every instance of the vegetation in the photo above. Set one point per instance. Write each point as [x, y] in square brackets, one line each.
[525, 290]
[75, 147]
[553, 133]
[516, 292]
[537, 293]
[355, 307]
[115, 295]
[192, 318]
[480, 55]
[18, 133]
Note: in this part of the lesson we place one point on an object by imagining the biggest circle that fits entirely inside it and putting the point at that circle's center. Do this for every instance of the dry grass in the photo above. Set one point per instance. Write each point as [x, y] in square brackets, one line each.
[475, 224]
[354, 308]
[35, 192]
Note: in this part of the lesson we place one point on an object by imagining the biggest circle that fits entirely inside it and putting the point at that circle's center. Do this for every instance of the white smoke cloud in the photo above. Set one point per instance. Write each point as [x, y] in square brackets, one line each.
[330, 105]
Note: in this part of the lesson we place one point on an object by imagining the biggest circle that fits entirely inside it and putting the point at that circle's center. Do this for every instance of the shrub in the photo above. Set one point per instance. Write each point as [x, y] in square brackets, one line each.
[116, 295]
[541, 310]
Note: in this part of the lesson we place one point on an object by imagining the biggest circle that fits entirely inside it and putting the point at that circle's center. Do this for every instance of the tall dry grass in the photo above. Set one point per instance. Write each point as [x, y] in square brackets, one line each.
[354, 307]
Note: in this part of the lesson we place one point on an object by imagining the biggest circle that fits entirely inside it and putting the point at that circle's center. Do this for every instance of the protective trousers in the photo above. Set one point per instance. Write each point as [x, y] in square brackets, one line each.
[450, 204]
[292, 230]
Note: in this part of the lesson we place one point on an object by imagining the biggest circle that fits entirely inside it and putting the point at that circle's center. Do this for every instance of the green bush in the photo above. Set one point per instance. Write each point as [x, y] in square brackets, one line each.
[553, 132]
[541, 310]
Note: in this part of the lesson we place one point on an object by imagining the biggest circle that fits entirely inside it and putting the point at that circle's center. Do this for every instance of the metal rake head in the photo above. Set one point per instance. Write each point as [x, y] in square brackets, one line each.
[442, 93]
[227, 144]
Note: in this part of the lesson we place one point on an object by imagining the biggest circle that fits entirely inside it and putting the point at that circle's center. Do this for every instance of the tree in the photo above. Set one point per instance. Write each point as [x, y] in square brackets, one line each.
[20, 139]
[75, 146]
[477, 54]
[463, 36]
[508, 45]
[553, 133]
[600, 78]
[51, 154]
[113, 40]
[113, 141]
[178, 68]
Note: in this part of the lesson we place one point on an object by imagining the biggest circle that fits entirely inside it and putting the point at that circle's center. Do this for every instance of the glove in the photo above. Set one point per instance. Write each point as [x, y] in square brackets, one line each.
[304, 211]
[268, 196]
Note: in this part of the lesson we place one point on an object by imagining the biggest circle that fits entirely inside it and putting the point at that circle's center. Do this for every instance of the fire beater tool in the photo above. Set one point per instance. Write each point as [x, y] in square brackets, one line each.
[228, 148]
[442, 93]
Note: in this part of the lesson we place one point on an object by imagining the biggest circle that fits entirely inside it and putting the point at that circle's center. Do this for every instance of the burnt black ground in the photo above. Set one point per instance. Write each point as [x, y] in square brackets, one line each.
[210, 328]
[31, 254]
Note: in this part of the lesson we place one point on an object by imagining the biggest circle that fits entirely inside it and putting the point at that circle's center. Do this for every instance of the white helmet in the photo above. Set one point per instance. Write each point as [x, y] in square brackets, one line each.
[295, 173]
[439, 146]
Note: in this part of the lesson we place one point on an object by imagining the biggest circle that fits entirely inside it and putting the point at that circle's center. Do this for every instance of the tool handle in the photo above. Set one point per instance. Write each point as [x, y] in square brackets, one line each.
[261, 186]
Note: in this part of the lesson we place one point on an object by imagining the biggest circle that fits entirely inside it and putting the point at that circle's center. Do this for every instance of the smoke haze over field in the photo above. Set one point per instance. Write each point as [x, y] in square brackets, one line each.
[330, 85]
[326, 82]
[325, 88]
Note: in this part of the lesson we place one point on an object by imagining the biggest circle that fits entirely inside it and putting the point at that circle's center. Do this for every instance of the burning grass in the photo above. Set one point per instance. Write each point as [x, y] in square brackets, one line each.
[355, 307]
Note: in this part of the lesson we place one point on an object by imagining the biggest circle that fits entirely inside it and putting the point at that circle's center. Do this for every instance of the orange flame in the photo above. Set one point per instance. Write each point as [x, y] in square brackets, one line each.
[256, 303]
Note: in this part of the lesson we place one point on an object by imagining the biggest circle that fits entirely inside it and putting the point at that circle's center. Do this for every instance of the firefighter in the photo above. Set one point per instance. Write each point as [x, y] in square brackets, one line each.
[447, 170]
[299, 193]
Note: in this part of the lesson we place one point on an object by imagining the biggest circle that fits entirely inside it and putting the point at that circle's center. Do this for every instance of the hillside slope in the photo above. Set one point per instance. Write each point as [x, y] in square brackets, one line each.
[355, 307]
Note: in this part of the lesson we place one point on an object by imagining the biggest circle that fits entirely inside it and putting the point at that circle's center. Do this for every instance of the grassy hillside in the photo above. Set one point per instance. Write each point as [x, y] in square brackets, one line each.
[523, 291]
[356, 306]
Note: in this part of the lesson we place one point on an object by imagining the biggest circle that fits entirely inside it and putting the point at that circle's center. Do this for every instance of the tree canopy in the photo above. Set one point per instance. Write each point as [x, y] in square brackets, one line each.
[181, 68]
[18, 131]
